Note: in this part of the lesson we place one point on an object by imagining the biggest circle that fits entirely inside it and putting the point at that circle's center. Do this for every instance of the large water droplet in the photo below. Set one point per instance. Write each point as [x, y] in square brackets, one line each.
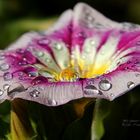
[15, 88]
[34, 93]
[105, 85]
[130, 84]
[1, 92]
[91, 90]
[4, 67]
[8, 76]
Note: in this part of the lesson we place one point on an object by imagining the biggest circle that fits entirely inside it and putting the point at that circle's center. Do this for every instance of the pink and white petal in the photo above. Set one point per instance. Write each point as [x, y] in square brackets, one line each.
[61, 53]
[116, 83]
[45, 57]
[23, 41]
[86, 16]
[106, 51]
[50, 94]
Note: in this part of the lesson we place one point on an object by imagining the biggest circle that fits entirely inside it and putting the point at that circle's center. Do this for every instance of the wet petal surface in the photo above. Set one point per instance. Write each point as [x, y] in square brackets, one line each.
[83, 55]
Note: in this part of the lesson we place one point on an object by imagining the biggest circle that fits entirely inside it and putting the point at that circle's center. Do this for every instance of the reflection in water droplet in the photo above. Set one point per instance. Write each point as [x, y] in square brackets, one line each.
[1, 92]
[7, 76]
[2, 56]
[111, 94]
[92, 42]
[130, 84]
[48, 60]
[40, 54]
[91, 90]
[43, 41]
[6, 86]
[137, 74]
[58, 46]
[4, 67]
[34, 93]
[52, 102]
[105, 85]
[15, 88]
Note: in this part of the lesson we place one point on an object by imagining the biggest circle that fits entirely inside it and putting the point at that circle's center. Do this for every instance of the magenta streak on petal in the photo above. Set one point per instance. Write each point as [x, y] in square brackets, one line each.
[63, 35]
[127, 38]
[104, 38]
[132, 43]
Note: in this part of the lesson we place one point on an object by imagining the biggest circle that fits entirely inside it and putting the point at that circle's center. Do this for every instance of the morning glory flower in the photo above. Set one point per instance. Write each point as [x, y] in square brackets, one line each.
[84, 54]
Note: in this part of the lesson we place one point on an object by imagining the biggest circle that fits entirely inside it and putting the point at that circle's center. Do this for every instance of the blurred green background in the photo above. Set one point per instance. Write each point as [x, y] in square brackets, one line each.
[19, 16]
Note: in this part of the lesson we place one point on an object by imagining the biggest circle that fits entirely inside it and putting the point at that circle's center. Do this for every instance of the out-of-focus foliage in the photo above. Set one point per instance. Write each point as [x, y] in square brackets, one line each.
[102, 120]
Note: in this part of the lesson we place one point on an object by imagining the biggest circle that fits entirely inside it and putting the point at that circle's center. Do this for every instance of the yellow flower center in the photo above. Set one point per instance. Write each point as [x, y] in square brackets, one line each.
[68, 74]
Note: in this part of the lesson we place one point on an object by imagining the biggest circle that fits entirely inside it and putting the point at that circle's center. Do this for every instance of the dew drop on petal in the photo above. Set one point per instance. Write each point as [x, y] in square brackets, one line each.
[8, 76]
[40, 54]
[58, 46]
[92, 42]
[48, 60]
[130, 84]
[2, 56]
[52, 102]
[90, 90]
[20, 51]
[6, 86]
[15, 88]
[4, 67]
[34, 93]
[105, 85]
[1, 92]
[111, 94]
[43, 41]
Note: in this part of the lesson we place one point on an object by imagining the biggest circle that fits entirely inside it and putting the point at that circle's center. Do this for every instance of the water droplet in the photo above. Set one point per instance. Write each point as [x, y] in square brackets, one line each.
[43, 41]
[130, 84]
[23, 62]
[32, 74]
[105, 85]
[1, 92]
[58, 46]
[83, 57]
[52, 102]
[92, 42]
[15, 88]
[2, 56]
[137, 74]
[34, 93]
[102, 52]
[90, 90]
[21, 51]
[48, 60]
[7, 76]
[111, 94]
[87, 50]
[40, 54]
[6, 86]
[4, 67]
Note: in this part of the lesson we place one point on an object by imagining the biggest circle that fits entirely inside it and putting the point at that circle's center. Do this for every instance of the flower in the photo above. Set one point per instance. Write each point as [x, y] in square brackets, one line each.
[83, 55]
